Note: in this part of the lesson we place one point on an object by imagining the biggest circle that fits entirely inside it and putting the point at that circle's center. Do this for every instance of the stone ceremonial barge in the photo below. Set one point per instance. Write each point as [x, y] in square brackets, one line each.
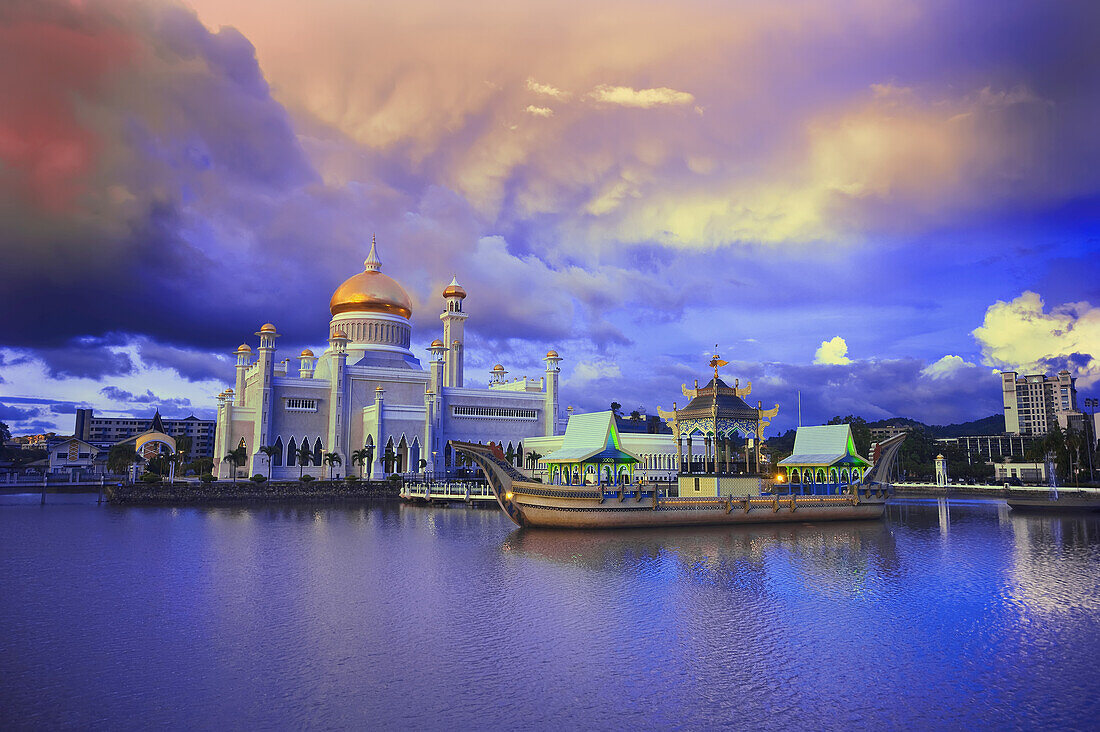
[590, 483]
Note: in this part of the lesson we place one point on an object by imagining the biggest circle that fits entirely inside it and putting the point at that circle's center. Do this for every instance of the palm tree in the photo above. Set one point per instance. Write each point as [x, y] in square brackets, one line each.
[359, 457]
[121, 457]
[332, 459]
[237, 458]
[271, 451]
[304, 455]
[533, 459]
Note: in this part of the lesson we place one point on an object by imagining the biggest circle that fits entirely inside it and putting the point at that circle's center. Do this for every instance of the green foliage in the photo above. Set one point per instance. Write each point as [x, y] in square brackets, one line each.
[615, 407]
[121, 457]
[206, 478]
[394, 478]
[5, 434]
[258, 478]
[352, 478]
[150, 478]
[183, 447]
[306, 478]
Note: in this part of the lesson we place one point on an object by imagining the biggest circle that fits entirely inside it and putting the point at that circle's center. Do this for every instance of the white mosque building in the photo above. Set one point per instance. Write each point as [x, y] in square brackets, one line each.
[368, 390]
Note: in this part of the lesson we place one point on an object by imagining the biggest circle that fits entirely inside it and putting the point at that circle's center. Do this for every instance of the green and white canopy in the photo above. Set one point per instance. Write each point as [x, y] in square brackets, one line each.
[824, 446]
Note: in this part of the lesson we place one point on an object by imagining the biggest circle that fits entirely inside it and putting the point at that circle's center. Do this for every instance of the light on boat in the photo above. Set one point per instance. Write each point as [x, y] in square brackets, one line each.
[779, 477]
[508, 495]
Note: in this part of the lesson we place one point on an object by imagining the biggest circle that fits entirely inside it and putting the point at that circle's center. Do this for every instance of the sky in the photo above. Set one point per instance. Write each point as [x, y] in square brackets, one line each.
[875, 204]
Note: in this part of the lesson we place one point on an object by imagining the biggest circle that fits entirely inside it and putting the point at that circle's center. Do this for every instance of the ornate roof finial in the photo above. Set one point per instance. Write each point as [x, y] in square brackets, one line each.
[372, 263]
[716, 361]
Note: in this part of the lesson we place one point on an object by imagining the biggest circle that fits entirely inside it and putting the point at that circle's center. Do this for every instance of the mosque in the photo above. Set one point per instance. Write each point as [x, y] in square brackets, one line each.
[368, 392]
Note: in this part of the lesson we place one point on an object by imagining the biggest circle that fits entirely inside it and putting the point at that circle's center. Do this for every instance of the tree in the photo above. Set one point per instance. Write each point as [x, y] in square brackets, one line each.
[271, 451]
[332, 459]
[5, 435]
[615, 407]
[183, 447]
[635, 416]
[359, 457]
[388, 458]
[237, 458]
[533, 459]
[304, 455]
[510, 455]
[121, 457]
[861, 432]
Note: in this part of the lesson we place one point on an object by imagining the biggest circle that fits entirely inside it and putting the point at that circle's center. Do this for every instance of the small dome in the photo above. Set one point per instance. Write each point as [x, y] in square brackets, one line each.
[454, 289]
[552, 354]
[267, 328]
[437, 344]
[498, 368]
[244, 348]
[306, 354]
[379, 388]
[338, 335]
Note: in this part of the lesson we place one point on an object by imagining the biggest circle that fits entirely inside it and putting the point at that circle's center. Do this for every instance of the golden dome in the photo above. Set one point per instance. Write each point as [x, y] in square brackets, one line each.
[498, 367]
[454, 289]
[244, 348]
[306, 354]
[370, 291]
[338, 335]
[267, 328]
[552, 354]
[437, 344]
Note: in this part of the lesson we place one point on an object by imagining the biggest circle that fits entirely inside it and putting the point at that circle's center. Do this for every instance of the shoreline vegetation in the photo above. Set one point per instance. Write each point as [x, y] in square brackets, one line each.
[192, 493]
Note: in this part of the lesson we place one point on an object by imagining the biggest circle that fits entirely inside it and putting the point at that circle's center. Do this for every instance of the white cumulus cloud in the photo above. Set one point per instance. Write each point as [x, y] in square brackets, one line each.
[587, 372]
[833, 353]
[946, 366]
[539, 111]
[1020, 335]
[626, 96]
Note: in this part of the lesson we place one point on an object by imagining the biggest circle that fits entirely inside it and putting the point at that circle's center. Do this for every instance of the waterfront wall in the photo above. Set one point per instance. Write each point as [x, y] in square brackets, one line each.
[248, 491]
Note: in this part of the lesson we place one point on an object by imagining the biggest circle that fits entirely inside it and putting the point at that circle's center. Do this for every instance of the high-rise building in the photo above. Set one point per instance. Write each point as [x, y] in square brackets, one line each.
[1034, 403]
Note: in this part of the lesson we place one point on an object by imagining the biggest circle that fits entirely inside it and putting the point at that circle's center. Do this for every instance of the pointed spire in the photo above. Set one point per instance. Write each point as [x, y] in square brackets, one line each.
[372, 263]
[157, 425]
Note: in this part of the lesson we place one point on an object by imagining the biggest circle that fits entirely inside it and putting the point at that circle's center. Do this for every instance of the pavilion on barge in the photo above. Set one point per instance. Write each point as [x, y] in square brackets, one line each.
[824, 461]
[591, 453]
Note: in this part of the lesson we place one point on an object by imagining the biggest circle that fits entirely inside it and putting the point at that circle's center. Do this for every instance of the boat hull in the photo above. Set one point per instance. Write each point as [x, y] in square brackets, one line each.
[541, 510]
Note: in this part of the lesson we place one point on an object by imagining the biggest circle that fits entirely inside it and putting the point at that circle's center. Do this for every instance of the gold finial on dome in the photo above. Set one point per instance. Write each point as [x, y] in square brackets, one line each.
[372, 263]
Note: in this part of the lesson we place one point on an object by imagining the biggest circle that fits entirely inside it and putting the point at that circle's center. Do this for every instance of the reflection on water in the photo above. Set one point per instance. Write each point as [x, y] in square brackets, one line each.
[944, 614]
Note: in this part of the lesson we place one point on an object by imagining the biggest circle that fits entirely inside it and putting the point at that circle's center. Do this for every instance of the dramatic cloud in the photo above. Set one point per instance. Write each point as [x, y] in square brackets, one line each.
[1021, 336]
[833, 352]
[627, 183]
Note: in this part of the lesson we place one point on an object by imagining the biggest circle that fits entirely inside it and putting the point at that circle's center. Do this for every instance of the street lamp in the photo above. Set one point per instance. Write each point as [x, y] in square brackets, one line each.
[1090, 428]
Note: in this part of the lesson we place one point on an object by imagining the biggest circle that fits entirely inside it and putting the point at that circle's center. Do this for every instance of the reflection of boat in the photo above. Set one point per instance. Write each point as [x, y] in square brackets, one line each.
[1062, 500]
[530, 503]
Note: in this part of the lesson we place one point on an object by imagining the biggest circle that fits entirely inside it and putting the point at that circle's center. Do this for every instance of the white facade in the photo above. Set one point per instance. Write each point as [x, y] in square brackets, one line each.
[368, 390]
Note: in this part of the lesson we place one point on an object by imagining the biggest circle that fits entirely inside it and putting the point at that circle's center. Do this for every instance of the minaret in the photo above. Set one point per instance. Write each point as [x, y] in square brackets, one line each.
[266, 363]
[337, 418]
[307, 364]
[244, 360]
[453, 325]
[550, 405]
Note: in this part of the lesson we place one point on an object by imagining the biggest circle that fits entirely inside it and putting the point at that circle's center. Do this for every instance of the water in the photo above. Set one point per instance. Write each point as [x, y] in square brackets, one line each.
[393, 617]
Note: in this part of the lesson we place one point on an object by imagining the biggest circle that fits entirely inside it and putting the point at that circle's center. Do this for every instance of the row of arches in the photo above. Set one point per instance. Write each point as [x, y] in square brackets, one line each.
[823, 480]
[590, 474]
[290, 455]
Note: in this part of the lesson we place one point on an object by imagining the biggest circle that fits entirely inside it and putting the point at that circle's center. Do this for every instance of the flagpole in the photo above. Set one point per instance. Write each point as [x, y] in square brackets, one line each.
[799, 407]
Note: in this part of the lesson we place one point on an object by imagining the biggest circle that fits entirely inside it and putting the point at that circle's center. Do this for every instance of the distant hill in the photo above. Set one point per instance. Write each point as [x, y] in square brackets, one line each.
[994, 424]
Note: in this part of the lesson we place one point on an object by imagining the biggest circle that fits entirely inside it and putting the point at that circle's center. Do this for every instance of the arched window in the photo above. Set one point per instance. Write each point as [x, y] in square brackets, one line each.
[291, 453]
[277, 459]
[318, 456]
